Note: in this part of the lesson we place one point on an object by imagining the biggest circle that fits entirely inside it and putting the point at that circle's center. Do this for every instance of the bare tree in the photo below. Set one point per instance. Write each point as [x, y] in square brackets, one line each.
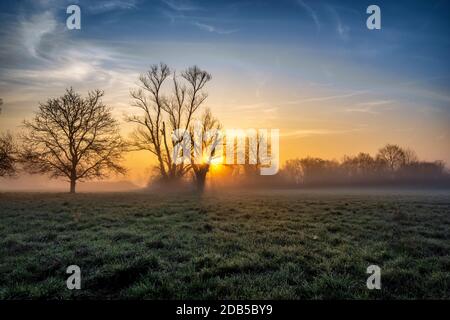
[8, 151]
[167, 117]
[73, 137]
[393, 156]
[294, 171]
[410, 156]
[253, 162]
[207, 149]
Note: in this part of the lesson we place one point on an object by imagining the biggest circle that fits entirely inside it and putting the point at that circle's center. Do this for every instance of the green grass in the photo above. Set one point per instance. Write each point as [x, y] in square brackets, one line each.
[259, 245]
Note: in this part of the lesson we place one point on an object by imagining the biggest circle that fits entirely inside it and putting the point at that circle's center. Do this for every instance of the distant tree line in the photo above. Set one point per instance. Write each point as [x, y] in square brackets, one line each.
[391, 166]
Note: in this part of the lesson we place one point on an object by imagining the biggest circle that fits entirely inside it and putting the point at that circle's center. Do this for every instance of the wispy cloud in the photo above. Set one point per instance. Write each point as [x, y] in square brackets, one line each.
[181, 5]
[32, 30]
[43, 57]
[342, 30]
[312, 13]
[304, 133]
[368, 106]
[111, 5]
[376, 103]
[367, 110]
[210, 28]
[329, 97]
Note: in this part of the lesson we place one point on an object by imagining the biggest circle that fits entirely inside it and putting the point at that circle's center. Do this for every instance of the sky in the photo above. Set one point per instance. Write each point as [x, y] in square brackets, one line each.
[309, 68]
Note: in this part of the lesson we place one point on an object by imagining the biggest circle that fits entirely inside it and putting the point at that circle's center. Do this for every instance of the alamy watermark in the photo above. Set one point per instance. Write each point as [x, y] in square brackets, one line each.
[374, 20]
[374, 280]
[73, 22]
[233, 146]
[74, 280]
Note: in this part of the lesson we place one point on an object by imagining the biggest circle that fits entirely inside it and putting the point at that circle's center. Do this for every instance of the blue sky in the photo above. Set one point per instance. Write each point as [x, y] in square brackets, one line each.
[413, 42]
[311, 68]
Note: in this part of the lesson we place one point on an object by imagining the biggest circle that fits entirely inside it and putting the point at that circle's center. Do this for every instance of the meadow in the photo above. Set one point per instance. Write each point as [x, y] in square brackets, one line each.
[230, 245]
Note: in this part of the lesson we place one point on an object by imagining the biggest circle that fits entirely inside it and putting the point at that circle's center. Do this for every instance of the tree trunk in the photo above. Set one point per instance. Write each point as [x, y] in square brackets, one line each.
[73, 183]
[200, 177]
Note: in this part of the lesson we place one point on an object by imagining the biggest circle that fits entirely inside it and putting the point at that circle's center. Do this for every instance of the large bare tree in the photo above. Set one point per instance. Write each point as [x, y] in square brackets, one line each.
[167, 113]
[73, 137]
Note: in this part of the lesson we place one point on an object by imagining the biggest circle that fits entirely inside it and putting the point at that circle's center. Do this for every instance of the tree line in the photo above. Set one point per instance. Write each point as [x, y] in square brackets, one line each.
[392, 165]
[76, 138]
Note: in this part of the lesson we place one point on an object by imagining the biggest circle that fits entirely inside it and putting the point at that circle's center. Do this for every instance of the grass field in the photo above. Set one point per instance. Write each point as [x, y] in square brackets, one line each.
[256, 245]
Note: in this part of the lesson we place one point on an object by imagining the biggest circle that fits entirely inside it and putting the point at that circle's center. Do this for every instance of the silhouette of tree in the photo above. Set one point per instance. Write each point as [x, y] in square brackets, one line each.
[360, 166]
[294, 170]
[393, 156]
[73, 137]
[410, 157]
[254, 159]
[316, 170]
[165, 113]
[8, 151]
